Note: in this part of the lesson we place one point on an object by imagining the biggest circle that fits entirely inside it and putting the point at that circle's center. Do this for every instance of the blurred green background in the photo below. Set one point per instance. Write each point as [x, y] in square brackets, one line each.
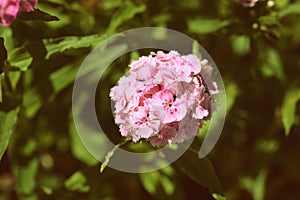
[257, 51]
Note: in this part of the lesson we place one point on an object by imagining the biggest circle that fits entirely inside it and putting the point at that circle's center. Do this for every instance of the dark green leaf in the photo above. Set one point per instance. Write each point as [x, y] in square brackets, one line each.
[1, 79]
[3, 54]
[7, 124]
[200, 170]
[38, 15]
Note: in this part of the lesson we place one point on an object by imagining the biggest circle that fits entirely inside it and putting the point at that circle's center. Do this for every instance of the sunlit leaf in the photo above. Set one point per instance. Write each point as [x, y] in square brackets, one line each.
[31, 102]
[62, 44]
[20, 58]
[240, 44]
[128, 11]
[7, 124]
[288, 109]
[218, 197]
[200, 170]
[64, 18]
[232, 92]
[64, 76]
[282, 3]
[26, 177]
[150, 181]
[109, 4]
[206, 25]
[255, 186]
[196, 50]
[78, 149]
[290, 9]
[6, 34]
[77, 182]
[272, 64]
[14, 78]
[167, 185]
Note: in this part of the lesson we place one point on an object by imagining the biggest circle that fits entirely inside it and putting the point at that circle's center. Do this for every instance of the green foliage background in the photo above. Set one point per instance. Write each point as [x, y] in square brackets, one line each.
[257, 51]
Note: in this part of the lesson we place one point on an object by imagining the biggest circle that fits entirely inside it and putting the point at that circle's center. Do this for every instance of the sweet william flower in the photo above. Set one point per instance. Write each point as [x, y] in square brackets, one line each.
[248, 3]
[168, 107]
[9, 9]
[165, 99]
[27, 5]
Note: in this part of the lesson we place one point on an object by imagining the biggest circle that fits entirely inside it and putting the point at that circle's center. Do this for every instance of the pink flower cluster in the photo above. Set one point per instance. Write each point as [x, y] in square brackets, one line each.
[164, 99]
[248, 3]
[9, 9]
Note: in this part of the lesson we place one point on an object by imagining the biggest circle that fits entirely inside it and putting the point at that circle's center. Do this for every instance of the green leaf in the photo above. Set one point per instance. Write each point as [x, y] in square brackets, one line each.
[167, 185]
[271, 64]
[62, 44]
[8, 121]
[110, 5]
[77, 182]
[240, 44]
[269, 20]
[255, 186]
[232, 92]
[206, 25]
[31, 102]
[77, 148]
[6, 33]
[200, 170]
[64, 76]
[64, 17]
[14, 78]
[129, 10]
[282, 3]
[20, 58]
[291, 9]
[3, 54]
[196, 50]
[218, 197]
[1, 80]
[288, 109]
[150, 181]
[26, 177]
